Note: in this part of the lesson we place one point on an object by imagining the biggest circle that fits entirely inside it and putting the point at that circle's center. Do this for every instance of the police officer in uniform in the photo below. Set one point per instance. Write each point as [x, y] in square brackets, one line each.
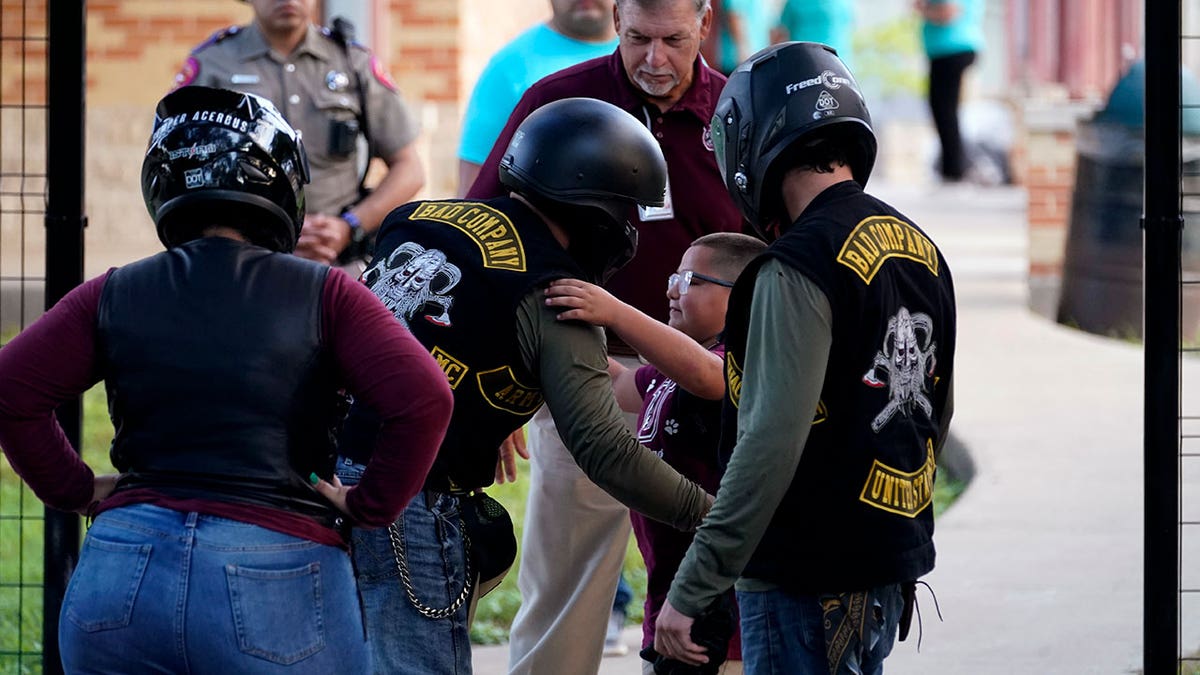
[336, 92]
[468, 278]
[840, 356]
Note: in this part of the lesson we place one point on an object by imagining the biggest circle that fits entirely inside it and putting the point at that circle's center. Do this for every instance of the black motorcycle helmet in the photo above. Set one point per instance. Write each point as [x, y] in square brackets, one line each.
[778, 102]
[586, 163]
[220, 157]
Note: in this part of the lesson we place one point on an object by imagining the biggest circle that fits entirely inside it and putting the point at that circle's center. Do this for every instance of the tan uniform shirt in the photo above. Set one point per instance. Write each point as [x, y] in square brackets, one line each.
[314, 88]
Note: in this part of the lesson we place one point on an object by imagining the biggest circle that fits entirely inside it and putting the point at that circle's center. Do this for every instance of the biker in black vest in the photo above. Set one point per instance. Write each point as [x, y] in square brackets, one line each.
[840, 356]
[468, 279]
[220, 545]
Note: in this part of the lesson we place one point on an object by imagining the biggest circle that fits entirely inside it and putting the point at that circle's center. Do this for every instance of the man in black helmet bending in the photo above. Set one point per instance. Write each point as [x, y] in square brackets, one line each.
[468, 279]
[840, 359]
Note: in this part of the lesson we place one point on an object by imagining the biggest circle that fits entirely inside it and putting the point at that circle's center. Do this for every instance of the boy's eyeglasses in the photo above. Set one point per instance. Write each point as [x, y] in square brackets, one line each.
[684, 281]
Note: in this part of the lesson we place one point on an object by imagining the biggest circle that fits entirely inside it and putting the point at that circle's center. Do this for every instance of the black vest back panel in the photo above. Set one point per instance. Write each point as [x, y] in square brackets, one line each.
[454, 272]
[859, 510]
[218, 386]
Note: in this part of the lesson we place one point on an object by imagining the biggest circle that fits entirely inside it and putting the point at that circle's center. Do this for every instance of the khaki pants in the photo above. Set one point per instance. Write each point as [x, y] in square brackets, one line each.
[572, 550]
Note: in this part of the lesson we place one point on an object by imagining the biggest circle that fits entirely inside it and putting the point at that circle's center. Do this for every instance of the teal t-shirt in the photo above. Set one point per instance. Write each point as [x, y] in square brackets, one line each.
[533, 55]
[829, 22]
[963, 34]
[757, 20]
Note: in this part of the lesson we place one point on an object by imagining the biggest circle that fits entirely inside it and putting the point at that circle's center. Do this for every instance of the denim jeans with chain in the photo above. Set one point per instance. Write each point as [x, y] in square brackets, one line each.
[402, 638]
[159, 590]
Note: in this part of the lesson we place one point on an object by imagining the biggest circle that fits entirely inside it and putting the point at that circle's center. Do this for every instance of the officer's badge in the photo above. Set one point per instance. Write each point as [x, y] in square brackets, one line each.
[335, 80]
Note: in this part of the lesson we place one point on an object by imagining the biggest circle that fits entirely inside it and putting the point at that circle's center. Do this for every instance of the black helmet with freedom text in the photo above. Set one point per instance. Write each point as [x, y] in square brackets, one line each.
[587, 163]
[784, 99]
[220, 157]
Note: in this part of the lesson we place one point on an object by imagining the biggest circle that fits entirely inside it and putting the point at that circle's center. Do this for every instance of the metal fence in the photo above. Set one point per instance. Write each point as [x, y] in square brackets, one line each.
[41, 258]
[23, 64]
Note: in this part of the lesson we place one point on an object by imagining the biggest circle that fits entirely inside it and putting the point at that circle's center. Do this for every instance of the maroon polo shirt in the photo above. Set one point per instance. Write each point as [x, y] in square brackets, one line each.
[701, 203]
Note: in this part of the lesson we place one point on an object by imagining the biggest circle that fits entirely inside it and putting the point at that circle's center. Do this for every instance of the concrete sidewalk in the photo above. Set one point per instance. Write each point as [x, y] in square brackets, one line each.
[1039, 562]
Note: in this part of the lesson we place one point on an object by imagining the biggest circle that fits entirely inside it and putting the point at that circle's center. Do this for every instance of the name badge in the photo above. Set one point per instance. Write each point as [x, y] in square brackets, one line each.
[241, 78]
[664, 212]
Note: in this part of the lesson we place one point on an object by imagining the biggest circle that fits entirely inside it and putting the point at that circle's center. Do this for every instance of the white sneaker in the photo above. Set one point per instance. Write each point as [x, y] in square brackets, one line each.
[613, 645]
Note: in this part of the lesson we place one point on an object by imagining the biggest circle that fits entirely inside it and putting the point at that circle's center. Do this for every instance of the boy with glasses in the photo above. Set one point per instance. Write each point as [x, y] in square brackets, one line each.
[678, 395]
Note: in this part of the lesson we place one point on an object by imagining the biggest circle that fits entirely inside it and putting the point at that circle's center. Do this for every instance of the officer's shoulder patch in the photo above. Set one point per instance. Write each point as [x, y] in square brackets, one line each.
[218, 36]
[188, 72]
[380, 74]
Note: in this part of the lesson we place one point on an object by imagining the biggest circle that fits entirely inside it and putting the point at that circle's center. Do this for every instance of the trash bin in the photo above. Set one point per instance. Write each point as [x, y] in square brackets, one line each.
[1102, 268]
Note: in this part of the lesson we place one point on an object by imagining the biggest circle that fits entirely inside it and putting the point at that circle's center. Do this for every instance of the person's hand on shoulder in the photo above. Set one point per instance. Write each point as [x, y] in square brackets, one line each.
[583, 302]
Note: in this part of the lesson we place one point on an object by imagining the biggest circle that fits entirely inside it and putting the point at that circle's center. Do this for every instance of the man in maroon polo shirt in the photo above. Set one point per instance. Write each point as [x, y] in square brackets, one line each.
[575, 535]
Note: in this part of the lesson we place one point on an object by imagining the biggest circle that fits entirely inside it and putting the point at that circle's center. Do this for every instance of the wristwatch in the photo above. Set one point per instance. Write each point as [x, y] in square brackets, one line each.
[357, 233]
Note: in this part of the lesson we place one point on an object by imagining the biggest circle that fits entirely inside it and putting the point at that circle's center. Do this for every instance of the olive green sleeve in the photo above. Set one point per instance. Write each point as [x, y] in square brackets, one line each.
[570, 361]
[786, 354]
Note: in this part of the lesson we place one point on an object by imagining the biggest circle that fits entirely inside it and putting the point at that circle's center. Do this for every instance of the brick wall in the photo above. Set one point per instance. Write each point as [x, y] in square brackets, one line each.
[1046, 159]
[434, 50]
[134, 48]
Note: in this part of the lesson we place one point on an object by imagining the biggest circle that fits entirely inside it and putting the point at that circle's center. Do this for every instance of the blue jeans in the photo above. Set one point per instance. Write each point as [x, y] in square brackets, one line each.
[158, 590]
[403, 640]
[624, 595]
[784, 633]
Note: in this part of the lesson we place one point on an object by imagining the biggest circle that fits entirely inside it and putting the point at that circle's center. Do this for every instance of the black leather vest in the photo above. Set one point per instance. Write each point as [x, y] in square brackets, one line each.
[859, 511]
[218, 385]
[454, 272]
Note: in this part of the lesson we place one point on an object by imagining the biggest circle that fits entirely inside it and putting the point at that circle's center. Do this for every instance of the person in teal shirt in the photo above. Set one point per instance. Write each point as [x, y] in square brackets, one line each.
[952, 31]
[829, 22]
[577, 31]
[744, 29]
